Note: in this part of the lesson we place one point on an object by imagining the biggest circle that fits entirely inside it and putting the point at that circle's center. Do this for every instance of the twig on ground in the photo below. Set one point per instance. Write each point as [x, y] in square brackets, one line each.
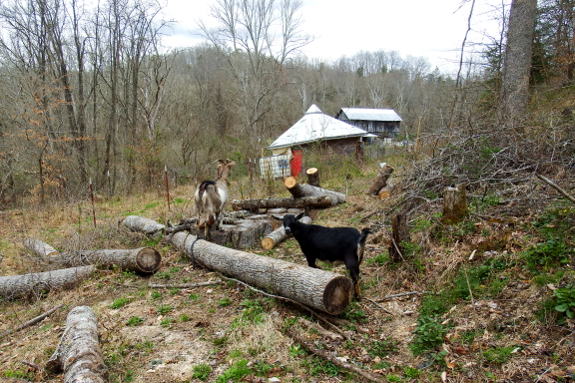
[379, 306]
[556, 187]
[31, 321]
[388, 297]
[185, 285]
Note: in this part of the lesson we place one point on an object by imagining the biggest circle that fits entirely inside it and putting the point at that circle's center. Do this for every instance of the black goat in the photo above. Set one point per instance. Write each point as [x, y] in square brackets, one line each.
[334, 245]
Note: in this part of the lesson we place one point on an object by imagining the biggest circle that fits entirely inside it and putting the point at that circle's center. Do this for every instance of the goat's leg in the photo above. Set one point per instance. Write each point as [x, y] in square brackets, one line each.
[354, 274]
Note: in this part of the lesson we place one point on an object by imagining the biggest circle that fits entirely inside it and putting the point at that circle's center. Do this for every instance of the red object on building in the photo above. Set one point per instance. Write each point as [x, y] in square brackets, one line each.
[296, 162]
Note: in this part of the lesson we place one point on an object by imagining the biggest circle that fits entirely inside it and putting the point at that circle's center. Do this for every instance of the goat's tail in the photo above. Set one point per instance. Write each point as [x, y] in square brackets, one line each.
[361, 244]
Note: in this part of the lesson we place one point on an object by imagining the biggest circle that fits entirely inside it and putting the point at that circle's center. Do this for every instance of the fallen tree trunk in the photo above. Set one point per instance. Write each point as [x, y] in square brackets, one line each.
[298, 190]
[278, 235]
[380, 180]
[142, 224]
[316, 288]
[30, 285]
[320, 201]
[144, 260]
[39, 248]
[79, 354]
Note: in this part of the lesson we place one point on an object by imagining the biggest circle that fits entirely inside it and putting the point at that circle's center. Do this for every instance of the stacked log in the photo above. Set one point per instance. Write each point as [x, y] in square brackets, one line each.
[380, 182]
[298, 190]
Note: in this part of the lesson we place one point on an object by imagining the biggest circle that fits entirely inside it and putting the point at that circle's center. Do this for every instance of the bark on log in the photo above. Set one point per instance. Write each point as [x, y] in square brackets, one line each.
[278, 235]
[316, 288]
[39, 248]
[30, 285]
[385, 192]
[144, 260]
[302, 190]
[399, 235]
[312, 176]
[454, 204]
[380, 180]
[320, 201]
[142, 224]
[79, 354]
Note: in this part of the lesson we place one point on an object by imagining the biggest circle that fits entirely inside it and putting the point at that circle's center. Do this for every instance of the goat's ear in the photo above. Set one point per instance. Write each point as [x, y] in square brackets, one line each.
[219, 161]
[276, 217]
[299, 216]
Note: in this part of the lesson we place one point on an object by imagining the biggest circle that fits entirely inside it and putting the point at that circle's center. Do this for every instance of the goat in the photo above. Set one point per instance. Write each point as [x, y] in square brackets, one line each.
[333, 245]
[211, 196]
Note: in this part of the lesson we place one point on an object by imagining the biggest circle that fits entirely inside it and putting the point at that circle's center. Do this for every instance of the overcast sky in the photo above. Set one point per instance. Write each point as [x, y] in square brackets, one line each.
[421, 28]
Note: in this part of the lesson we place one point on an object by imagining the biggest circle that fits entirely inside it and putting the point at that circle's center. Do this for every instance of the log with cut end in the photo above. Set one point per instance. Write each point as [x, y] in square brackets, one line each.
[320, 201]
[79, 354]
[298, 190]
[35, 284]
[144, 260]
[380, 180]
[142, 224]
[39, 248]
[385, 192]
[316, 288]
[278, 235]
[312, 176]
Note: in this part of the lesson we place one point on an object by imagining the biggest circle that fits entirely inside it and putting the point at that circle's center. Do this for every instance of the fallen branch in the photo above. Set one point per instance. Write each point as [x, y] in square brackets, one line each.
[380, 306]
[556, 187]
[185, 285]
[388, 297]
[31, 322]
[325, 355]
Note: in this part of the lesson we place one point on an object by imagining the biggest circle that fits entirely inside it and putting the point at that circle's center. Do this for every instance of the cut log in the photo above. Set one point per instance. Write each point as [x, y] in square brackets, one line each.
[41, 249]
[79, 354]
[298, 190]
[399, 236]
[142, 224]
[454, 204]
[380, 180]
[278, 235]
[312, 176]
[316, 288]
[387, 190]
[33, 285]
[320, 201]
[145, 260]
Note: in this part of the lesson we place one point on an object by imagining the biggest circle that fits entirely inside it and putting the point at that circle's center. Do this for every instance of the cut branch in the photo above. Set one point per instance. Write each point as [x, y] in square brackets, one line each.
[298, 190]
[380, 180]
[278, 235]
[142, 224]
[320, 201]
[556, 187]
[31, 322]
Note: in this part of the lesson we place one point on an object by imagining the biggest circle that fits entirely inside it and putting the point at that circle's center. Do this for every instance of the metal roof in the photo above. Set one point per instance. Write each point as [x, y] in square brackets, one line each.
[365, 114]
[316, 126]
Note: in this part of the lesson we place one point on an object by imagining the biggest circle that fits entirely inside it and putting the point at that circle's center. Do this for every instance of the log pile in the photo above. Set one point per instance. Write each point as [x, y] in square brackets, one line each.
[381, 185]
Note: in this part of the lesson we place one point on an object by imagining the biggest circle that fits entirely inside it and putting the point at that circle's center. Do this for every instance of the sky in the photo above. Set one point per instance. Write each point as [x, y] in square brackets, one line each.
[420, 28]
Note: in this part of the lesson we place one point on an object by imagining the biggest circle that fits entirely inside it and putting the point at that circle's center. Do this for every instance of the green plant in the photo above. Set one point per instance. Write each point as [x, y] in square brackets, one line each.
[194, 297]
[163, 275]
[164, 309]
[295, 351]
[225, 302]
[354, 313]
[428, 334]
[411, 372]
[119, 303]
[167, 322]
[184, 318]
[156, 295]
[235, 373]
[498, 355]
[380, 259]
[565, 298]
[320, 366]
[382, 348]
[18, 374]
[202, 371]
[134, 321]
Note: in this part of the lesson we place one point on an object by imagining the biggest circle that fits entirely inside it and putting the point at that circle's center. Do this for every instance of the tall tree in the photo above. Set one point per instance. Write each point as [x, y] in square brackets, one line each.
[517, 64]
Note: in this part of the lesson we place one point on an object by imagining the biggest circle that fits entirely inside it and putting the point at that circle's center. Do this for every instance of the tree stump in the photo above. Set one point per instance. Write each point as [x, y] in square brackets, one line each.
[399, 236]
[278, 235]
[312, 176]
[79, 354]
[454, 204]
[33, 285]
[298, 190]
[380, 180]
[316, 288]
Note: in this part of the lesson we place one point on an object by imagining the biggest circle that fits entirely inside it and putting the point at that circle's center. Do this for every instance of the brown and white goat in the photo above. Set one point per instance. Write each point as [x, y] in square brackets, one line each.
[211, 196]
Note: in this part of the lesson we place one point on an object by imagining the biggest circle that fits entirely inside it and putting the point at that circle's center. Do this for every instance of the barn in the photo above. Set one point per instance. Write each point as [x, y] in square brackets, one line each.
[385, 123]
[313, 129]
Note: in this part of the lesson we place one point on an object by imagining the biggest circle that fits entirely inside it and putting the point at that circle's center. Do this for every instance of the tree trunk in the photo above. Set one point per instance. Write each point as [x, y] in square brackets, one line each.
[299, 191]
[41, 249]
[399, 236]
[142, 224]
[320, 201]
[380, 180]
[454, 204]
[278, 235]
[312, 176]
[79, 354]
[144, 260]
[33, 285]
[316, 288]
[517, 64]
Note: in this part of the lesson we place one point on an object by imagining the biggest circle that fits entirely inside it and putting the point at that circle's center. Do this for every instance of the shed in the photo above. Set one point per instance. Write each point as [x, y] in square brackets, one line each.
[316, 127]
[383, 122]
